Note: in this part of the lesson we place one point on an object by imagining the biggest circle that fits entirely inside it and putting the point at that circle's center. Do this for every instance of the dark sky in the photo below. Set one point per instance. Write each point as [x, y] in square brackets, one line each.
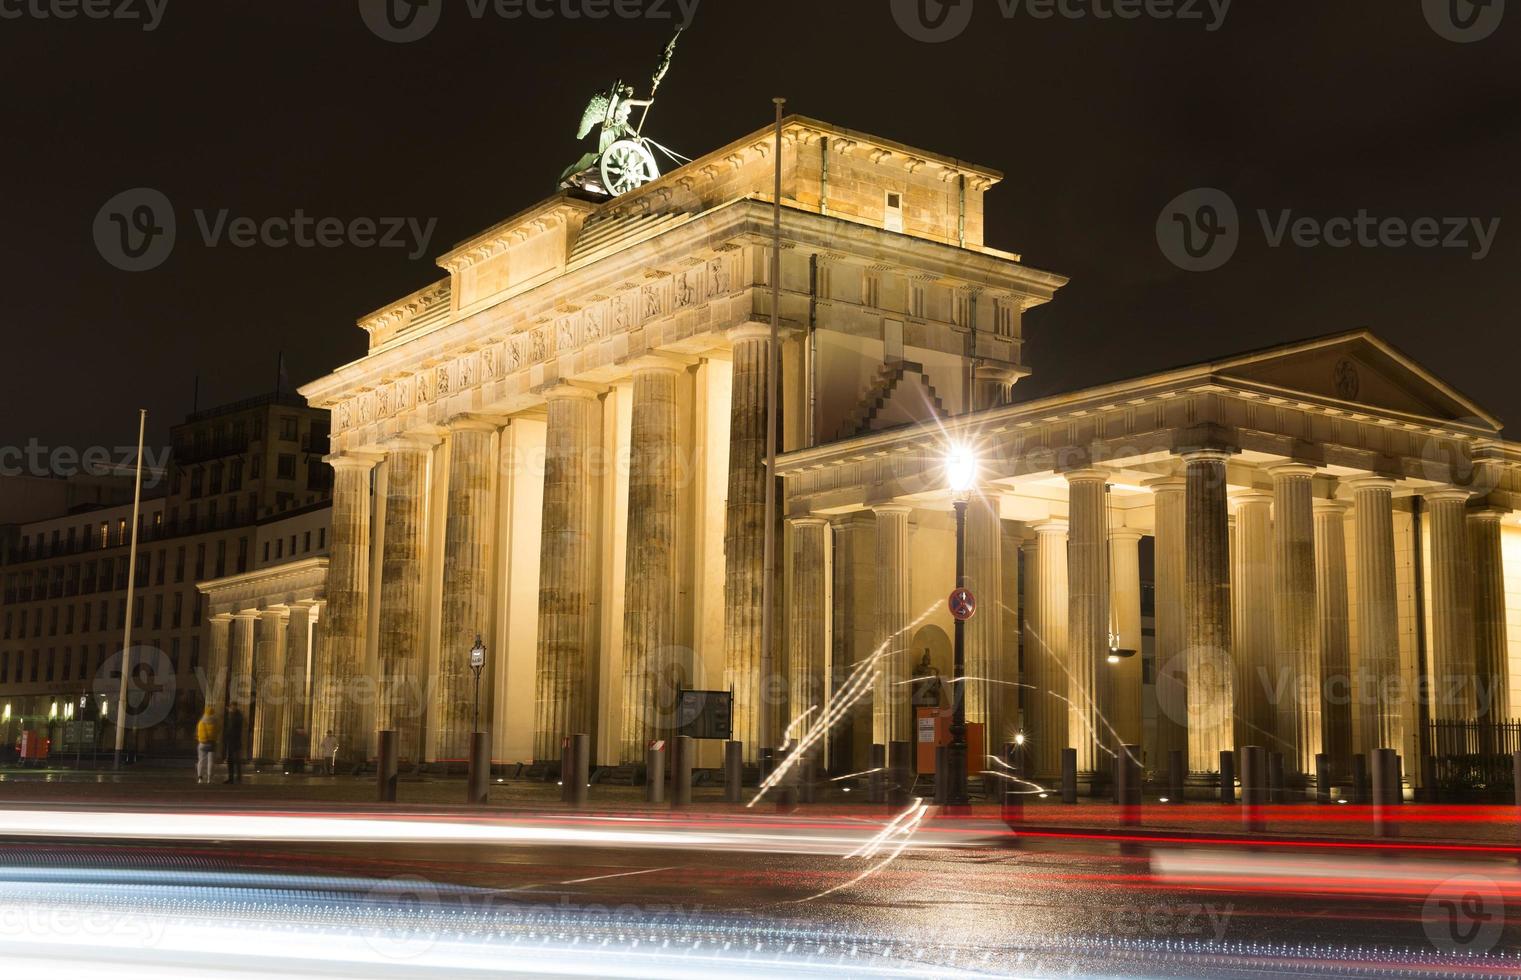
[262, 107]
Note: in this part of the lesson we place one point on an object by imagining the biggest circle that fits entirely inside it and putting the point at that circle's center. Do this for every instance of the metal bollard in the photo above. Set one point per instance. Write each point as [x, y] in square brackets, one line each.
[900, 774]
[1322, 778]
[734, 771]
[565, 765]
[681, 771]
[942, 774]
[1516, 763]
[1429, 783]
[1013, 800]
[1227, 777]
[1360, 779]
[1177, 770]
[1069, 776]
[1276, 791]
[478, 784]
[385, 766]
[580, 769]
[876, 781]
[1254, 788]
[1387, 792]
[654, 772]
[1128, 782]
[808, 779]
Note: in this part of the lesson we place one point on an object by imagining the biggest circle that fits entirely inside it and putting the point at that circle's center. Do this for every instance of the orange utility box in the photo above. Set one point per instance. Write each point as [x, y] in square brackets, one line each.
[932, 727]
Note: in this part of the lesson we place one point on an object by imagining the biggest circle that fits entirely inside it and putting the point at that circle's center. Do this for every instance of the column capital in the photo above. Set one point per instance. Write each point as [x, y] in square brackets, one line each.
[472, 422]
[221, 619]
[352, 460]
[416, 441]
[1126, 534]
[1250, 497]
[1167, 484]
[891, 508]
[1369, 483]
[562, 390]
[658, 361]
[1052, 526]
[1210, 455]
[1291, 469]
[1448, 495]
[246, 614]
[748, 331]
[809, 520]
[1324, 506]
[1087, 475]
[1495, 514]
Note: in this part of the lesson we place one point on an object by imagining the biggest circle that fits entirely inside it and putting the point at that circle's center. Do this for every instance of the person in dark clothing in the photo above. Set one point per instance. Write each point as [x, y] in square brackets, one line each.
[232, 745]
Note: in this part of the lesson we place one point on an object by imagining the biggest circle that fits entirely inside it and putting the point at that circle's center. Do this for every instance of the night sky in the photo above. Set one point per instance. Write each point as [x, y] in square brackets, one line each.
[263, 107]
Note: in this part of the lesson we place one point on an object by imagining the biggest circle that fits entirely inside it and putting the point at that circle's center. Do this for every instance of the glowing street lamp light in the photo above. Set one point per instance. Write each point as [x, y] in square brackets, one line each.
[961, 474]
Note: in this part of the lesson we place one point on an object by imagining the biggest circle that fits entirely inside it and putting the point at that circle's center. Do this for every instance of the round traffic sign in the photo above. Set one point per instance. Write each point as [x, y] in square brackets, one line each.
[962, 604]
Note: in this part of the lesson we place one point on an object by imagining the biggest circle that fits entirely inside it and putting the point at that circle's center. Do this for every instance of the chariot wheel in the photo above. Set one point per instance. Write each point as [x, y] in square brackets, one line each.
[627, 165]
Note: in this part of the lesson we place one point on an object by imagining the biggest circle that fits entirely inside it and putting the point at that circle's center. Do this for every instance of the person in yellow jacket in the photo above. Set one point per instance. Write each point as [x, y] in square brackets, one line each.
[206, 734]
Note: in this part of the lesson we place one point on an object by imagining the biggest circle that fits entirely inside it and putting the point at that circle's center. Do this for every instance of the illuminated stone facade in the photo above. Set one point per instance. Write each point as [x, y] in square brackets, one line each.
[560, 446]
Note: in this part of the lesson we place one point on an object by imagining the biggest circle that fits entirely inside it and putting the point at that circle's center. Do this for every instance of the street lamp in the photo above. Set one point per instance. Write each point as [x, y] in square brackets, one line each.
[961, 474]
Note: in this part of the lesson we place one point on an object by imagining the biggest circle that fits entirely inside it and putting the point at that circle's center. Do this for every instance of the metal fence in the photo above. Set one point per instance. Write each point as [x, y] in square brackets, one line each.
[1475, 757]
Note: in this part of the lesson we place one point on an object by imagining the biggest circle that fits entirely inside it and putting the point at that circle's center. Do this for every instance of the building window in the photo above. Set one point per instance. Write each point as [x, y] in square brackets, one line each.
[256, 467]
[266, 552]
[195, 482]
[279, 548]
[286, 468]
[221, 558]
[121, 613]
[158, 612]
[195, 654]
[179, 564]
[321, 538]
[242, 555]
[1003, 319]
[68, 620]
[196, 611]
[84, 618]
[235, 475]
[158, 575]
[200, 561]
[216, 478]
[53, 622]
[137, 612]
[892, 212]
[307, 542]
[289, 428]
[179, 609]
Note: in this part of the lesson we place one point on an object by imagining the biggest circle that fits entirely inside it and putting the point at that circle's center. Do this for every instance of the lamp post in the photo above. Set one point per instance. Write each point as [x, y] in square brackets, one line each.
[961, 474]
[478, 780]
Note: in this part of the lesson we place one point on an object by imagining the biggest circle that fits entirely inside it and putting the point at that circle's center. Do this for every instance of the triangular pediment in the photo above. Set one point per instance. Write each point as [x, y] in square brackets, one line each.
[901, 395]
[1360, 370]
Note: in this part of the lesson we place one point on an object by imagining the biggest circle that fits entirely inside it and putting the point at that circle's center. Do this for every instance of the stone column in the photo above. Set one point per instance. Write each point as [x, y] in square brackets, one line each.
[339, 705]
[808, 622]
[1046, 655]
[1088, 620]
[854, 626]
[1125, 676]
[1452, 609]
[1171, 570]
[1259, 672]
[568, 576]
[269, 684]
[466, 608]
[1379, 713]
[1208, 615]
[984, 665]
[218, 667]
[1491, 650]
[298, 656]
[241, 678]
[403, 593]
[1335, 640]
[650, 672]
[1010, 638]
[1294, 630]
[745, 663]
[890, 699]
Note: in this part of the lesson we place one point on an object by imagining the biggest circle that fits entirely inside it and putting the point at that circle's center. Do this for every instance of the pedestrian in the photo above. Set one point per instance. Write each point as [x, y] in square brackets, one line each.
[328, 753]
[206, 732]
[232, 745]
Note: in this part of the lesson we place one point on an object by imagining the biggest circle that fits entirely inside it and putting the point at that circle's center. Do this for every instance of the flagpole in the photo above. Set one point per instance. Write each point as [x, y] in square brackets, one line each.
[773, 362]
[126, 641]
